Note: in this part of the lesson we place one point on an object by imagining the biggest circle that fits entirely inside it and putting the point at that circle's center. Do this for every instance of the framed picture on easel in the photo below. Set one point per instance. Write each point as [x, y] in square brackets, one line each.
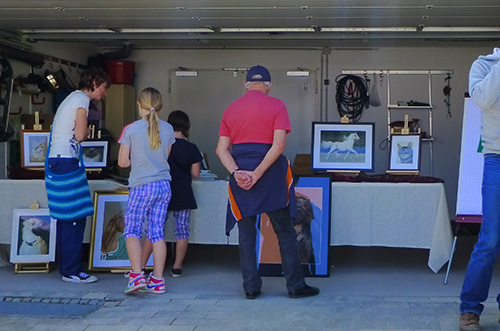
[95, 153]
[34, 147]
[405, 152]
[342, 146]
[33, 237]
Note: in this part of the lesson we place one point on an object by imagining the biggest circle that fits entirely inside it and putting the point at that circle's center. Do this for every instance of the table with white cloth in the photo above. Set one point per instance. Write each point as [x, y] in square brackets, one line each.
[207, 222]
[408, 215]
[21, 193]
[363, 214]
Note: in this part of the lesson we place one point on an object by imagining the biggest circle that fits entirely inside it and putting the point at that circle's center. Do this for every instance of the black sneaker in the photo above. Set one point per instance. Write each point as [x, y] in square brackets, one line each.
[81, 278]
[176, 273]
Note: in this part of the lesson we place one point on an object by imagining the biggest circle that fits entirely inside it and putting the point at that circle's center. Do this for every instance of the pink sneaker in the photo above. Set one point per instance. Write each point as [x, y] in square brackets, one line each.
[136, 282]
[155, 285]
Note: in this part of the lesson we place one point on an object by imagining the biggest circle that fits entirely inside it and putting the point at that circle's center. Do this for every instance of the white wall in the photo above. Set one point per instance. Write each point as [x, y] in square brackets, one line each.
[153, 67]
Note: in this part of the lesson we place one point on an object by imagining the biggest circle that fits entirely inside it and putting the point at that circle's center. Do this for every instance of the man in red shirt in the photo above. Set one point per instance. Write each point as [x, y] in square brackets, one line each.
[252, 137]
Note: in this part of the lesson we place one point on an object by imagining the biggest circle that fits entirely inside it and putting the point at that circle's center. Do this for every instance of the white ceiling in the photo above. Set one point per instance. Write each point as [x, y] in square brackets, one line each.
[441, 22]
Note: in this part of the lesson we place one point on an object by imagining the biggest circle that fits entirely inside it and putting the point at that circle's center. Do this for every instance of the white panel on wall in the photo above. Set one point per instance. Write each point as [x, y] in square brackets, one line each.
[204, 98]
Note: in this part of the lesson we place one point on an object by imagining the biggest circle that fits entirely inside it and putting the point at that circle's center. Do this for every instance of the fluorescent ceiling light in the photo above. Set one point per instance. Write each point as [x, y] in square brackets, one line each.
[461, 29]
[183, 73]
[297, 73]
[270, 30]
[367, 29]
[183, 30]
[67, 31]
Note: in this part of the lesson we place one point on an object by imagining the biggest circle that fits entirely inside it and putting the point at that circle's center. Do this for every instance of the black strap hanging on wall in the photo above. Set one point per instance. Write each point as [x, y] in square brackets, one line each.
[447, 93]
[352, 96]
[6, 87]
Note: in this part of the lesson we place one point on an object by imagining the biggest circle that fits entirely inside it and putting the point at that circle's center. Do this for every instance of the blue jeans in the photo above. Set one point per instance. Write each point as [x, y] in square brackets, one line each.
[482, 261]
[287, 239]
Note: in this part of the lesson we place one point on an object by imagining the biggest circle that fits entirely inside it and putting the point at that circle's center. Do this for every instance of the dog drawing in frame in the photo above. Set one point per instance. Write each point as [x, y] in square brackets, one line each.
[302, 225]
[32, 237]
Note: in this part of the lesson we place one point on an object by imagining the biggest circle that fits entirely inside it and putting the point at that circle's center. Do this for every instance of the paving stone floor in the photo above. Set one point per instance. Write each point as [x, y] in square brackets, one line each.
[369, 288]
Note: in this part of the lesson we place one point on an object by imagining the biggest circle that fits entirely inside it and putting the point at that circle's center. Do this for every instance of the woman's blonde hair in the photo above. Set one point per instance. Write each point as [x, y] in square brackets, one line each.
[150, 100]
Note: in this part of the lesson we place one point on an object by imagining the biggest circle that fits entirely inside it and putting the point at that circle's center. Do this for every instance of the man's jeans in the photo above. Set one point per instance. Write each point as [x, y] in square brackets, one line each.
[287, 239]
[482, 261]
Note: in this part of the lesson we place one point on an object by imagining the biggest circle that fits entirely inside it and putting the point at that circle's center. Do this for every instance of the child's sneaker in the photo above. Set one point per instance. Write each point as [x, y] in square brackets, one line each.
[155, 285]
[176, 273]
[136, 282]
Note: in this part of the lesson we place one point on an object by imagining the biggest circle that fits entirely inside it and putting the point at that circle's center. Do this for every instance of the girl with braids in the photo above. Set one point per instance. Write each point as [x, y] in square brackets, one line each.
[145, 146]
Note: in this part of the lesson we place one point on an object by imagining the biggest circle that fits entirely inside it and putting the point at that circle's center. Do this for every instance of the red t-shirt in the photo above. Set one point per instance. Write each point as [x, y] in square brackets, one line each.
[253, 118]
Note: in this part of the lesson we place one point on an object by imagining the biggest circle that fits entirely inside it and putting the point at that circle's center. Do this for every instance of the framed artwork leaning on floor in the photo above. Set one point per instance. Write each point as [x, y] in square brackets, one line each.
[33, 236]
[107, 243]
[312, 226]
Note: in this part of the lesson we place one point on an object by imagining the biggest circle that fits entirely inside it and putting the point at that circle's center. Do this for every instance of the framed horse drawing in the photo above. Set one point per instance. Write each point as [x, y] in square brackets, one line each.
[342, 146]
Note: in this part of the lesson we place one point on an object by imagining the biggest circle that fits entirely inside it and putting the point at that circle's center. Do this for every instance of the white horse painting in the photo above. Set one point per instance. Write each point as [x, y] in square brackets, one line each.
[346, 145]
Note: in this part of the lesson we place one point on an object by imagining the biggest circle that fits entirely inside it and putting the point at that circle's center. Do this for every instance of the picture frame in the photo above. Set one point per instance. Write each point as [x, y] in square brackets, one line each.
[95, 153]
[343, 146]
[107, 244]
[312, 226]
[33, 237]
[34, 145]
[405, 152]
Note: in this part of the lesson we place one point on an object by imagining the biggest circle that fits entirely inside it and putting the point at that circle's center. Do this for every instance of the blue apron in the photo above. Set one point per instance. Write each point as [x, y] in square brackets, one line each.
[273, 191]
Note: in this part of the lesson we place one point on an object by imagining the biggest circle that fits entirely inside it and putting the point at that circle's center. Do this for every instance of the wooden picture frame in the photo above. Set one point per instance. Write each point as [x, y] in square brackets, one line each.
[95, 153]
[312, 226]
[33, 237]
[107, 244]
[342, 146]
[405, 152]
[34, 145]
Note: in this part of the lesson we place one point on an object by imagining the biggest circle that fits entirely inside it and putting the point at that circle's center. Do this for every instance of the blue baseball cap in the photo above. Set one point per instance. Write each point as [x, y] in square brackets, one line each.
[258, 74]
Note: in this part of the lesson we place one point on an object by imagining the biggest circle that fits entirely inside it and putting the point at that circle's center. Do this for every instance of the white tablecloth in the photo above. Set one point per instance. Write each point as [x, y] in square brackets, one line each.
[21, 193]
[363, 214]
[207, 222]
[411, 215]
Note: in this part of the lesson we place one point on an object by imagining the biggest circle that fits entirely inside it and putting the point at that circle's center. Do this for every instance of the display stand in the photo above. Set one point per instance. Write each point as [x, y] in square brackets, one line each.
[40, 267]
[347, 172]
[405, 130]
[401, 172]
[395, 106]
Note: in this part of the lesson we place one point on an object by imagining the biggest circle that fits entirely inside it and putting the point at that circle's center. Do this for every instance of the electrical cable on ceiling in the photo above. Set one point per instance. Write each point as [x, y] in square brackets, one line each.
[352, 96]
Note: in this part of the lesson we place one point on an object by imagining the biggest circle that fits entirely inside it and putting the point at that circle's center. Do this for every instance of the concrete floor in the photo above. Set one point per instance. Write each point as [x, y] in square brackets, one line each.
[369, 288]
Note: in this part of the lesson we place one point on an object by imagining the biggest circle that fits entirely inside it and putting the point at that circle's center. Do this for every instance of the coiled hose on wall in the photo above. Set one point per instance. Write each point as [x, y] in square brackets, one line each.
[352, 96]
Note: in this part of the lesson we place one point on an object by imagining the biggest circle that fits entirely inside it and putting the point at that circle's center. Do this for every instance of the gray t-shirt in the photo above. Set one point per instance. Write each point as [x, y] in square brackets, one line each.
[147, 165]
